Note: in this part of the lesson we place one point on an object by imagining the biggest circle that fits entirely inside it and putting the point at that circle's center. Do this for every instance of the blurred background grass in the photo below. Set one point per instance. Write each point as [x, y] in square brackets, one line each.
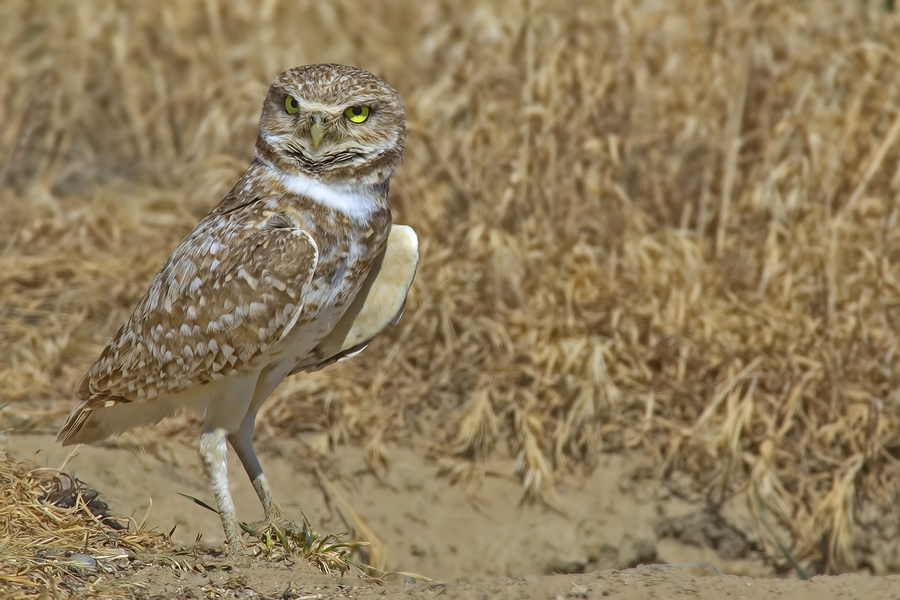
[667, 228]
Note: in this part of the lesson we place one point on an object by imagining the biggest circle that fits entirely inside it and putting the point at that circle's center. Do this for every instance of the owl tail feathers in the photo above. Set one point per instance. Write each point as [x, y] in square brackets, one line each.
[95, 420]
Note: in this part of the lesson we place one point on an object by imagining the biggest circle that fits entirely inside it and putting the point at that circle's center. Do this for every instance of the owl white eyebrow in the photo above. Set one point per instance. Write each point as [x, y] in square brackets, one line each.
[309, 106]
[313, 106]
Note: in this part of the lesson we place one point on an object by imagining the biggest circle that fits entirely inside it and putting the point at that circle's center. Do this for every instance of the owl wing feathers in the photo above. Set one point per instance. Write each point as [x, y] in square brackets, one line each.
[378, 304]
[231, 289]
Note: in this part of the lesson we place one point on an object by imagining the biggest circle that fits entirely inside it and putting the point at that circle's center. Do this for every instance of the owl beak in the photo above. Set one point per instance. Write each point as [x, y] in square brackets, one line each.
[316, 132]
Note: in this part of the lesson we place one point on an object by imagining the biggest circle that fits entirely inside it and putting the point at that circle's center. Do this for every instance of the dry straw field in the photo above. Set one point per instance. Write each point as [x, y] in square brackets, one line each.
[659, 227]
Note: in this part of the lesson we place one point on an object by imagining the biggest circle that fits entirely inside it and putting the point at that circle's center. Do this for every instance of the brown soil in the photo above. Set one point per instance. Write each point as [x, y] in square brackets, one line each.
[441, 540]
[620, 585]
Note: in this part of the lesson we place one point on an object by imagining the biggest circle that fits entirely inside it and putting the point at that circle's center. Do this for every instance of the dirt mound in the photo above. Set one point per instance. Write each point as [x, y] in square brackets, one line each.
[62, 543]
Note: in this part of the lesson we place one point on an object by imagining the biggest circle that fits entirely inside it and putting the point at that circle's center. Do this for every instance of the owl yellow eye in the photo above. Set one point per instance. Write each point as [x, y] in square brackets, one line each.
[290, 105]
[357, 114]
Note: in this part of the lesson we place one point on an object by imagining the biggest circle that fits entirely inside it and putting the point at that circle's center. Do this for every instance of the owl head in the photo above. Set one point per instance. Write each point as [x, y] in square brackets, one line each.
[335, 123]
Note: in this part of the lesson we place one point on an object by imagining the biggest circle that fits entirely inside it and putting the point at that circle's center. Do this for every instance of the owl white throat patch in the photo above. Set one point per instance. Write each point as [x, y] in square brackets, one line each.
[357, 202]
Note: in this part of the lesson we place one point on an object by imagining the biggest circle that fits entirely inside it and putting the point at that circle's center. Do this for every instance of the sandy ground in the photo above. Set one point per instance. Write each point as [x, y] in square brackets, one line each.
[623, 585]
[476, 544]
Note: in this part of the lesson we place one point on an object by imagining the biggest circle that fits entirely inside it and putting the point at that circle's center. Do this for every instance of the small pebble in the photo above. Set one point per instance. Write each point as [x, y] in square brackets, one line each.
[83, 561]
[578, 591]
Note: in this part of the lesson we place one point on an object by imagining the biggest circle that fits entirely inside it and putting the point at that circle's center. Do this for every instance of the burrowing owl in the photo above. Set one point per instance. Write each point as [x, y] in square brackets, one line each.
[297, 267]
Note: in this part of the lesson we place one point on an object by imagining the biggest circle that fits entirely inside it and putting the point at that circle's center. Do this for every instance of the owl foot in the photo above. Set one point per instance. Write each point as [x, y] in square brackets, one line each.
[287, 535]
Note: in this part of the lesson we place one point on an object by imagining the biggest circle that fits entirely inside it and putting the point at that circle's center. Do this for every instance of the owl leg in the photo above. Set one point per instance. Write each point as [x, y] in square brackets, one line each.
[214, 454]
[242, 442]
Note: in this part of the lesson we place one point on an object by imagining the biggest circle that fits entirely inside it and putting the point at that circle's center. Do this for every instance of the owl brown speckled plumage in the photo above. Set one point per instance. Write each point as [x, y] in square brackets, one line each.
[297, 267]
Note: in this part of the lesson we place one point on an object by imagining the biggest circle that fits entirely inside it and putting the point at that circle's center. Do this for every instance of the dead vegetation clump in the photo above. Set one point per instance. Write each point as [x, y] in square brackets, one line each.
[58, 537]
[666, 227]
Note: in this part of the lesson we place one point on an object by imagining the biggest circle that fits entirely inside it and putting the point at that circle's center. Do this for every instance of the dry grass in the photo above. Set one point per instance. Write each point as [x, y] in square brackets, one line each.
[58, 536]
[59, 541]
[660, 226]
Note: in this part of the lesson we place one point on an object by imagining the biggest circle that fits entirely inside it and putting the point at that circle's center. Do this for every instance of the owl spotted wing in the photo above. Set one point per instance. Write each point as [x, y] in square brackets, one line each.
[233, 288]
[379, 303]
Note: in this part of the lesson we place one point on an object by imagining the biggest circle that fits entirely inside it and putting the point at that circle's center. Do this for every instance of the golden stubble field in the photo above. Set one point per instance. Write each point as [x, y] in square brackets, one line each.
[656, 229]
